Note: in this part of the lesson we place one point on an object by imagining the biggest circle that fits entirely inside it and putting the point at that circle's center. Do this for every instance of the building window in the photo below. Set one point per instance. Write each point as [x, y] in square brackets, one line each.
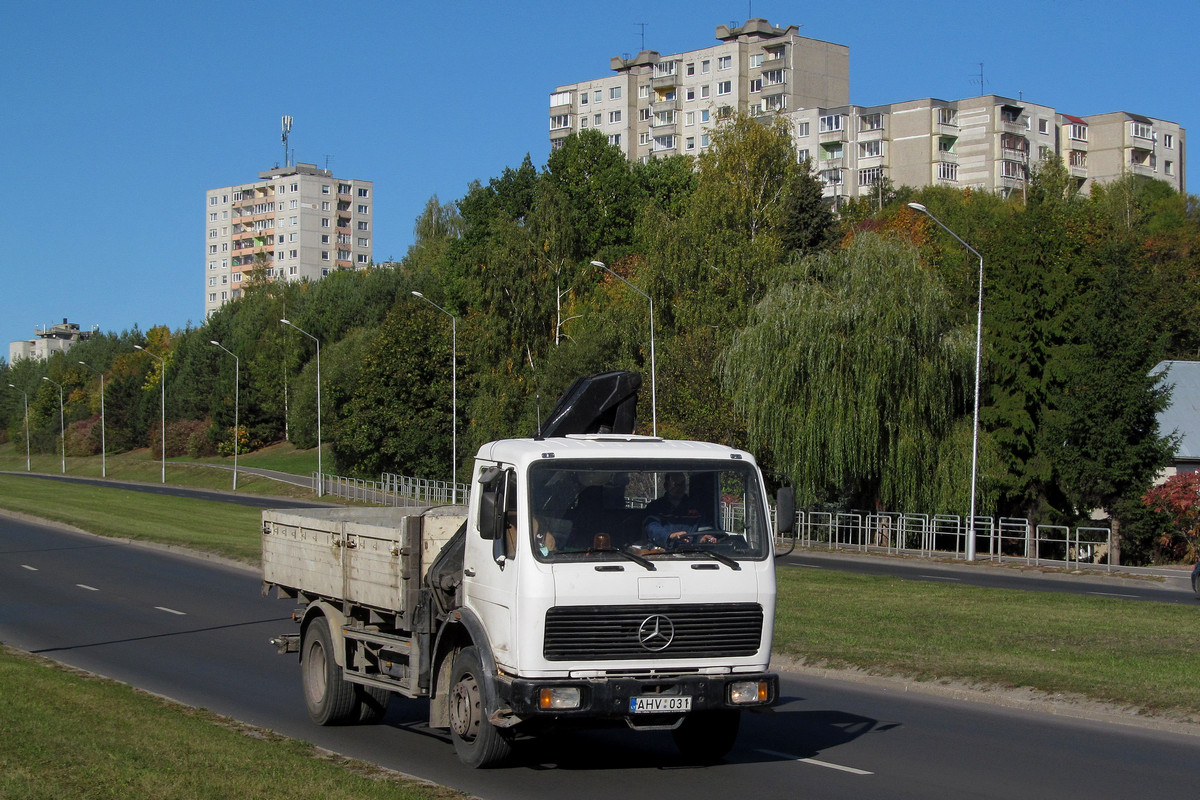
[644, 90]
[1141, 130]
[599, 95]
[212, 281]
[870, 176]
[614, 93]
[212, 201]
[237, 277]
[689, 118]
[947, 171]
[664, 117]
[212, 248]
[615, 139]
[1011, 169]
[363, 241]
[362, 225]
[343, 188]
[1169, 167]
[1078, 132]
[755, 85]
[773, 77]
[689, 94]
[644, 137]
[1043, 125]
[690, 143]
[947, 116]
[614, 117]
[704, 116]
[724, 62]
[295, 204]
[362, 209]
[643, 114]
[802, 156]
[583, 98]
[560, 121]
[363, 259]
[691, 68]
[831, 177]
[756, 60]
[324, 188]
[704, 140]
[802, 129]
[704, 91]
[212, 233]
[832, 122]
[212, 297]
[560, 99]
[870, 122]
[664, 68]
[1168, 140]
[212, 217]
[324, 222]
[724, 87]
[364, 192]
[664, 142]
[704, 65]
[583, 121]
[324, 255]
[870, 149]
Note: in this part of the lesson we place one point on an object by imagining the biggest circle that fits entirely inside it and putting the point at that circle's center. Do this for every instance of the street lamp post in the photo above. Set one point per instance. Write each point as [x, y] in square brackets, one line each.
[453, 396]
[62, 429]
[237, 368]
[653, 378]
[26, 396]
[320, 472]
[103, 447]
[162, 386]
[978, 360]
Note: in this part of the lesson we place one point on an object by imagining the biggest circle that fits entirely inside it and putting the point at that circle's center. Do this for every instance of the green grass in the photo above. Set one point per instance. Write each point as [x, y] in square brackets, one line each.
[1137, 654]
[222, 529]
[143, 466]
[64, 734]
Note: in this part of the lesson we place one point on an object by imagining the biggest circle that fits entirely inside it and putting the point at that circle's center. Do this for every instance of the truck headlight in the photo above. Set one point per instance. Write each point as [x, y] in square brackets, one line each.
[559, 697]
[742, 693]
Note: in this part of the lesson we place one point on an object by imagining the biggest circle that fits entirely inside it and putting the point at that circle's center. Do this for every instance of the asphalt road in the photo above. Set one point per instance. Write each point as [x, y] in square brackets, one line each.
[197, 632]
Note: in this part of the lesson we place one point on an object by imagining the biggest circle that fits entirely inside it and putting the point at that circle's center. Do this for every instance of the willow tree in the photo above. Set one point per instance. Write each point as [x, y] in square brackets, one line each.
[855, 374]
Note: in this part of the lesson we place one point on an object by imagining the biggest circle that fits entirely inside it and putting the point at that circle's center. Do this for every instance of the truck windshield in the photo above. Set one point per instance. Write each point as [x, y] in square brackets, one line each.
[584, 510]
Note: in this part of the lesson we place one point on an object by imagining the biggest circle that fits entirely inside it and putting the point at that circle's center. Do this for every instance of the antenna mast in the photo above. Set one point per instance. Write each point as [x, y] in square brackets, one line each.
[287, 127]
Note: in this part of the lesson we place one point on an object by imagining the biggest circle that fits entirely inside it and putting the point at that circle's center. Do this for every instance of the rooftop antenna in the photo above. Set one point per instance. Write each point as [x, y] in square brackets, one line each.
[979, 80]
[287, 127]
[328, 158]
[642, 25]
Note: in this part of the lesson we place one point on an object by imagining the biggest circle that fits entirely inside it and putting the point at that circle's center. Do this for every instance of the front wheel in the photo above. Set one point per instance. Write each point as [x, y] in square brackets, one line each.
[477, 741]
[330, 698]
[706, 736]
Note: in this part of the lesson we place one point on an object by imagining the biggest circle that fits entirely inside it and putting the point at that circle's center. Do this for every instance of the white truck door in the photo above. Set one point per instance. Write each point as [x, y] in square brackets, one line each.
[489, 563]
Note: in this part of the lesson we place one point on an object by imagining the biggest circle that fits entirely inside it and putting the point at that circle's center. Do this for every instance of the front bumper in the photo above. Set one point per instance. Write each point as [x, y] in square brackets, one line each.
[609, 697]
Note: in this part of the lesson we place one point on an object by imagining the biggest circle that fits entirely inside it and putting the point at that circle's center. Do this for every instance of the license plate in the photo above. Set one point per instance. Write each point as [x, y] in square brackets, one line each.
[658, 704]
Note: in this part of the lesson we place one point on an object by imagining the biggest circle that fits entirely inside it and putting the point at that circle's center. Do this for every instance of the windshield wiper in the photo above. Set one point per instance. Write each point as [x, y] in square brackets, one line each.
[724, 559]
[645, 562]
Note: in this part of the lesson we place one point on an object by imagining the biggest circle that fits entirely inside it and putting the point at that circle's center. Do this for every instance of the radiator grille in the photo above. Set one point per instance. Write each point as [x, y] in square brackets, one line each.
[697, 630]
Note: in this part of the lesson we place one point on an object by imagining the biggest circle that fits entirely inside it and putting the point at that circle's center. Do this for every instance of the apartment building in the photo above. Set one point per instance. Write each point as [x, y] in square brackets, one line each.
[656, 105]
[57, 338]
[294, 223]
[987, 143]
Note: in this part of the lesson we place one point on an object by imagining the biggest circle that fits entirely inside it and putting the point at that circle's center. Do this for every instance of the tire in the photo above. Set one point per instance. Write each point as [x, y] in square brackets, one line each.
[372, 703]
[479, 743]
[706, 736]
[330, 698]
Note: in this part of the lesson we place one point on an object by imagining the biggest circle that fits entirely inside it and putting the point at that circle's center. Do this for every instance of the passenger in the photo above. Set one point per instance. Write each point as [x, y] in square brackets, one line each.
[676, 518]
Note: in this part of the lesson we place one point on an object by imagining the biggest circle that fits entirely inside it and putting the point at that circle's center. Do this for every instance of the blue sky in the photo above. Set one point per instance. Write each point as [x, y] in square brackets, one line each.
[117, 116]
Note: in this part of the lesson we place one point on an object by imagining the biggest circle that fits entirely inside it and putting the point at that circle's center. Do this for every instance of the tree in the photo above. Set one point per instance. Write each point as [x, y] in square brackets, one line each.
[853, 374]
[1178, 501]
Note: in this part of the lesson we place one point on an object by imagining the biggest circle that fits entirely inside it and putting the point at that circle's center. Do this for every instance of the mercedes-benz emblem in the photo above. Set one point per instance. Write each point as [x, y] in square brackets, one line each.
[656, 633]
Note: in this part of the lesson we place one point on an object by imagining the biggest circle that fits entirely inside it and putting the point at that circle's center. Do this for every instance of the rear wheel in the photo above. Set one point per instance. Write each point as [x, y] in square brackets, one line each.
[706, 736]
[477, 741]
[331, 700]
[372, 703]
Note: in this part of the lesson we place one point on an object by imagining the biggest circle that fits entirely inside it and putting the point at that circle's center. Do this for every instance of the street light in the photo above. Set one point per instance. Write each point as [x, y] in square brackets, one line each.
[320, 472]
[162, 385]
[26, 396]
[978, 359]
[237, 367]
[653, 381]
[62, 429]
[453, 396]
[103, 448]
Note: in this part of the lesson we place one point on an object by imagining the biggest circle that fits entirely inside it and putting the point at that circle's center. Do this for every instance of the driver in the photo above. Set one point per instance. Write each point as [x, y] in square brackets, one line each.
[675, 519]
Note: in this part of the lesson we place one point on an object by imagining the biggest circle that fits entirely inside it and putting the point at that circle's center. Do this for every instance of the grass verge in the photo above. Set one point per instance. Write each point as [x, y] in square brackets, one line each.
[1131, 654]
[68, 734]
[223, 529]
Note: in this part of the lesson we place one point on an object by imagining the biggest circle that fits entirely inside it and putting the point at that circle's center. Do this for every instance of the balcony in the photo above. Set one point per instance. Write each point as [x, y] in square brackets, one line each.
[839, 135]
[947, 156]
[1142, 169]
[1013, 126]
[664, 81]
[1078, 170]
[1011, 154]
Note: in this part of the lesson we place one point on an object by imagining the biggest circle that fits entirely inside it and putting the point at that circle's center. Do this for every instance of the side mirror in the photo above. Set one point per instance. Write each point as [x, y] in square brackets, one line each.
[785, 510]
[492, 502]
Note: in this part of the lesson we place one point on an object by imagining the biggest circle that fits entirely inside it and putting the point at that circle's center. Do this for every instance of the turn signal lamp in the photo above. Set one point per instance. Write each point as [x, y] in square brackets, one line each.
[742, 693]
[559, 698]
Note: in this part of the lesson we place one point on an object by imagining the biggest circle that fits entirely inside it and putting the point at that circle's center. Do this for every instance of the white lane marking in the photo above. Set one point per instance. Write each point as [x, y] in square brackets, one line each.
[171, 611]
[940, 578]
[85, 586]
[31, 569]
[817, 763]
[1111, 594]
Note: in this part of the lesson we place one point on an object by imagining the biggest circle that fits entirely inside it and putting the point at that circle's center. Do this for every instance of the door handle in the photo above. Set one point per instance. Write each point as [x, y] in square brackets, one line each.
[469, 572]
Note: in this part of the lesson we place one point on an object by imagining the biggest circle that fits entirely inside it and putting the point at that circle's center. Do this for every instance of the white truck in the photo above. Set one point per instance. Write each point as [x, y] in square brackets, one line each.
[565, 592]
